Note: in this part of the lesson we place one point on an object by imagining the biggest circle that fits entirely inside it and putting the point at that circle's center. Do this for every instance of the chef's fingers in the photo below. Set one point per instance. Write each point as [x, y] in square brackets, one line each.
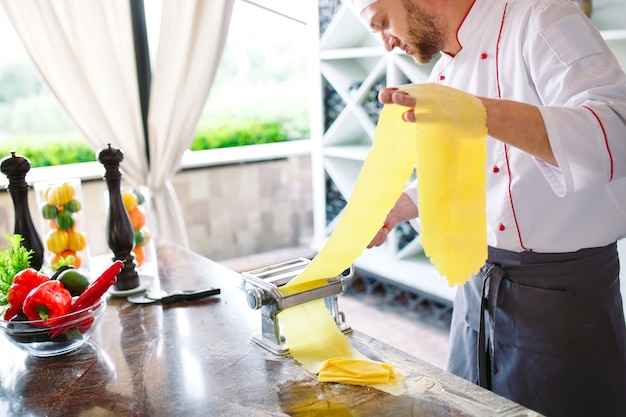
[385, 95]
[394, 95]
[409, 116]
[380, 237]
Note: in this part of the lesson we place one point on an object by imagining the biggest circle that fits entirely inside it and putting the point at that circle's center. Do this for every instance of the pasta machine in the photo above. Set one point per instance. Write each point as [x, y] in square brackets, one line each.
[263, 288]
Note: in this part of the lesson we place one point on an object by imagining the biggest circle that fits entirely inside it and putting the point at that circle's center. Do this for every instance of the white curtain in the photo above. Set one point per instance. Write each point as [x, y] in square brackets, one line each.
[191, 41]
[84, 51]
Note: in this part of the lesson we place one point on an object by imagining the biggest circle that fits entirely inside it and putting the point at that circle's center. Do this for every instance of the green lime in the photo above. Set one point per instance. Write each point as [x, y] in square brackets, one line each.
[140, 237]
[49, 211]
[59, 269]
[65, 220]
[72, 206]
[140, 197]
[73, 281]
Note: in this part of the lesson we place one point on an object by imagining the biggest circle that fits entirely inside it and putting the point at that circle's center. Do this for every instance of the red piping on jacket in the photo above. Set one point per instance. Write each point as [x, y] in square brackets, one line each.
[606, 141]
[506, 149]
[461, 24]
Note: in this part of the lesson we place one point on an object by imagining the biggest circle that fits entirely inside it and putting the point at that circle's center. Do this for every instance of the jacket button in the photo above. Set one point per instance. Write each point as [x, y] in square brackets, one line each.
[501, 227]
[483, 56]
[496, 170]
[442, 77]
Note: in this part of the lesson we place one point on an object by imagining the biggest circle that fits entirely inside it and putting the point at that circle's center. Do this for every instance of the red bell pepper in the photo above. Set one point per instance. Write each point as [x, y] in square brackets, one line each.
[47, 302]
[11, 312]
[23, 282]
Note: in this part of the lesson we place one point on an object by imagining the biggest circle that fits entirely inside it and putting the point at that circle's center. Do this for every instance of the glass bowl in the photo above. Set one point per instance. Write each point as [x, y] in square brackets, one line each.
[34, 338]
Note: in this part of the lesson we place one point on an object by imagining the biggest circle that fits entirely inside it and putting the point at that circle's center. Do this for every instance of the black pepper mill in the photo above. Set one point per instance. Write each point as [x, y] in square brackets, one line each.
[120, 235]
[15, 168]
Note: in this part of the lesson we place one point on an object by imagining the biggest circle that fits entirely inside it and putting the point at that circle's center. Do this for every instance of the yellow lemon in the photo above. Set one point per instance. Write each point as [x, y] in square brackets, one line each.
[130, 201]
[76, 241]
[61, 194]
[57, 240]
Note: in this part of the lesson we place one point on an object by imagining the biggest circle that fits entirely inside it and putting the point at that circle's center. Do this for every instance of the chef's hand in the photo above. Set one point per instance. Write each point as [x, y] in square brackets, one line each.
[390, 95]
[390, 222]
[403, 210]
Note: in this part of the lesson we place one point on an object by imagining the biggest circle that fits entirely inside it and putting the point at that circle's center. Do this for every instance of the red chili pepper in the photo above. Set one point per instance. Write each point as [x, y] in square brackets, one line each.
[90, 296]
[23, 282]
[48, 301]
[98, 287]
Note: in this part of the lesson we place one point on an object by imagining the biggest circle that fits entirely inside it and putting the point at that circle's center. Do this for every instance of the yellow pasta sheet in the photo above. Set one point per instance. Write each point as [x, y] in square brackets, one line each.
[448, 145]
[451, 173]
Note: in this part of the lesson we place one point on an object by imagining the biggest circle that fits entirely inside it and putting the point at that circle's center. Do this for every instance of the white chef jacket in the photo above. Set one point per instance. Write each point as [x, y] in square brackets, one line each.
[547, 53]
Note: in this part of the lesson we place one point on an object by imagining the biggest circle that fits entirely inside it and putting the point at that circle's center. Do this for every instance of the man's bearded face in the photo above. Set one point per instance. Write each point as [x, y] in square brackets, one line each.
[425, 37]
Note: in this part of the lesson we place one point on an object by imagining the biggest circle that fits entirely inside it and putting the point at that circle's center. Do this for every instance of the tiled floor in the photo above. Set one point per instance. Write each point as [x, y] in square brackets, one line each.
[416, 331]
[419, 334]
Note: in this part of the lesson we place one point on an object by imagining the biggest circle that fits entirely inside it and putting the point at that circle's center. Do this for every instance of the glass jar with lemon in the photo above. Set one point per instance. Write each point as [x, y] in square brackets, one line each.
[137, 204]
[60, 206]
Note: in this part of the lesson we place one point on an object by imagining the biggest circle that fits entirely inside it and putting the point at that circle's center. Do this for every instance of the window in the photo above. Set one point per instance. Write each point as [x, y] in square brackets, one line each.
[263, 73]
[261, 86]
[29, 112]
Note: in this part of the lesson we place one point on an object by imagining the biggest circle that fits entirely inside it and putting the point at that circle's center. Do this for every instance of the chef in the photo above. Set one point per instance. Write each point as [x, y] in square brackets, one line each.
[542, 323]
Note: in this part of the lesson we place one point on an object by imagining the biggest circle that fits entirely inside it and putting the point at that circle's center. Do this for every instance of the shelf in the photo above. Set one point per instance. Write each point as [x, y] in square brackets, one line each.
[347, 129]
[414, 73]
[347, 30]
[354, 64]
[351, 53]
[355, 152]
[416, 273]
[344, 173]
[348, 75]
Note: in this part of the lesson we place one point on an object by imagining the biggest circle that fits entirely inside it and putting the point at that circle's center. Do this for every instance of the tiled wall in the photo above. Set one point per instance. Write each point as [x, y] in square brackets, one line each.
[230, 211]
[239, 210]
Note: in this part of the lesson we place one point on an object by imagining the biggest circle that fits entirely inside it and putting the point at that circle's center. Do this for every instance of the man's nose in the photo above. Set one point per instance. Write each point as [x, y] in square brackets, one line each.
[389, 41]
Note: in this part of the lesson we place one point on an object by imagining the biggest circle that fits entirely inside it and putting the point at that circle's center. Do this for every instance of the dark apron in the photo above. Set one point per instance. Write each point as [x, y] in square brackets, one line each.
[553, 332]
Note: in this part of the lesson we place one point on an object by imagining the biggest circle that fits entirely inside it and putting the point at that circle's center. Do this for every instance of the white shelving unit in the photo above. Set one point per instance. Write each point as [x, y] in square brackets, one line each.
[352, 66]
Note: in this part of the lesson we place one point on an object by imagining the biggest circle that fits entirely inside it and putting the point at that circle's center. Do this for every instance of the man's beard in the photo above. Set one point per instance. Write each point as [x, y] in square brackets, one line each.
[425, 37]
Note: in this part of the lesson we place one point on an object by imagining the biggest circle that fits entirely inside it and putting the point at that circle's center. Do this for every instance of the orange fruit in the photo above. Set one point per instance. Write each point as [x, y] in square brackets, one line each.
[137, 218]
[139, 255]
[58, 256]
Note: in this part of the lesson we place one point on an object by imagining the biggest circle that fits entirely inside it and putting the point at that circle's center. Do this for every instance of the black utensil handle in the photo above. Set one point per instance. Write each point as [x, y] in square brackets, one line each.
[189, 295]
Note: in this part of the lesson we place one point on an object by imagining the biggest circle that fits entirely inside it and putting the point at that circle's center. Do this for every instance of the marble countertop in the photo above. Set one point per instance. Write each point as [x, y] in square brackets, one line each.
[192, 359]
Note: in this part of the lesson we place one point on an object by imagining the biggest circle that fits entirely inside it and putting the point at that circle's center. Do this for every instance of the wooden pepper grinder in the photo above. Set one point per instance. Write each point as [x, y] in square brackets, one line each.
[120, 235]
[15, 168]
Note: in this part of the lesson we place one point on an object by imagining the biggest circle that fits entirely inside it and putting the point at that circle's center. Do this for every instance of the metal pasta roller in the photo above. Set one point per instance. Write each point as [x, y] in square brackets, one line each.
[263, 292]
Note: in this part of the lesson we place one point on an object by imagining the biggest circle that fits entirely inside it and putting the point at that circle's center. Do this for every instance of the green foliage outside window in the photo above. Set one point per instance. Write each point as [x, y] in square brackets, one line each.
[63, 149]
